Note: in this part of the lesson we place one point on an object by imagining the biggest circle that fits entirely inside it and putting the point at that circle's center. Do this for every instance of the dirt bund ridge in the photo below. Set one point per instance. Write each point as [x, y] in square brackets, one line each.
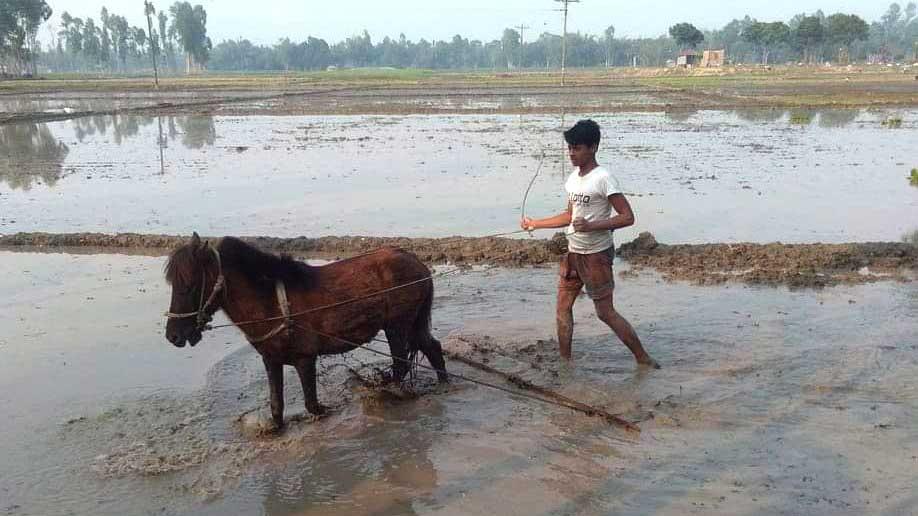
[793, 265]
[456, 250]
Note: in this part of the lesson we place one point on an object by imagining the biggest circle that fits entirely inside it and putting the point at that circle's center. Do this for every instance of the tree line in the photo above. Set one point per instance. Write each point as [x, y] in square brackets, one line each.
[810, 38]
[177, 38]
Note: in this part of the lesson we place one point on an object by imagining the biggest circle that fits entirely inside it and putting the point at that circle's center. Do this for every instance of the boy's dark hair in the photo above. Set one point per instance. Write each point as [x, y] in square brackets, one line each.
[584, 132]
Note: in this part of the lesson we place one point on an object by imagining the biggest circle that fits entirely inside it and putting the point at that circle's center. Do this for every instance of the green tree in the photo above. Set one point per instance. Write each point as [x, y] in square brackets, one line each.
[72, 33]
[19, 22]
[808, 35]
[189, 24]
[358, 49]
[510, 46]
[845, 29]
[121, 35]
[149, 11]
[92, 46]
[318, 54]
[730, 37]
[766, 36]
[137, 41]
[890, 19]
[288, 53]
[686, 35]
[167, 38]
[105, 38]
[609, 44]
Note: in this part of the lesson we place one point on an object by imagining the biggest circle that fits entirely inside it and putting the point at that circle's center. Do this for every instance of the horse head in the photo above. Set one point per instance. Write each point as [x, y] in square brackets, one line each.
[194, 271]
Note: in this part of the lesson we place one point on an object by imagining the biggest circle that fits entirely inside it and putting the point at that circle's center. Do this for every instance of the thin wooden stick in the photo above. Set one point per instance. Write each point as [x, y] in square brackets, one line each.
[560, 398]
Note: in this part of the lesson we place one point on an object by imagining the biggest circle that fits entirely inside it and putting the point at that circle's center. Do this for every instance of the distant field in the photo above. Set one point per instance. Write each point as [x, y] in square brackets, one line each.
[412, 91]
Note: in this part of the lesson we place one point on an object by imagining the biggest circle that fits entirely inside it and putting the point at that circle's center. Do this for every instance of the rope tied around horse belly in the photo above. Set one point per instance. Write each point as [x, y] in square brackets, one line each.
[372, 294]
[340, 303]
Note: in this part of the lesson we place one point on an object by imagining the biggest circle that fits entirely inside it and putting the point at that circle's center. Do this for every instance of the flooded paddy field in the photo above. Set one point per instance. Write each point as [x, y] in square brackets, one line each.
[401, 92]
[705, 176]
[770, 401]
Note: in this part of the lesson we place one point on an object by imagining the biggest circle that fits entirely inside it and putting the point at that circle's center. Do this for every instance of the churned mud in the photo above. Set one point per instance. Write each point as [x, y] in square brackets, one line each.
[794, 265]
[770, 400]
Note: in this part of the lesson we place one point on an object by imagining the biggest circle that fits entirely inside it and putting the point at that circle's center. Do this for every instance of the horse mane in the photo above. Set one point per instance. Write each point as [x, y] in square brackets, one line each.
[179, 266]
[263, 267]
[257, 265]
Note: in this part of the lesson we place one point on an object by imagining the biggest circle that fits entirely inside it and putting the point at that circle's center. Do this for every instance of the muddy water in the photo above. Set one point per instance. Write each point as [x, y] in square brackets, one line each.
[702, 176]
[771, 401]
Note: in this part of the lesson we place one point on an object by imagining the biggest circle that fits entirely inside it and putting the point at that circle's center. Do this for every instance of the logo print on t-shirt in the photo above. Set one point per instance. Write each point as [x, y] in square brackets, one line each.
[579, 199]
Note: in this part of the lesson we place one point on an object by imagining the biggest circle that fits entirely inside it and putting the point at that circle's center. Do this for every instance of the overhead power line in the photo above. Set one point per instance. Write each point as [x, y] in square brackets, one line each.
[521, 27]
[564, 35]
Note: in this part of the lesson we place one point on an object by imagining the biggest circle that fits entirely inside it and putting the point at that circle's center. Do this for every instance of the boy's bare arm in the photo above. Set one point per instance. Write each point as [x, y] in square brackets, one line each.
[624, 217]
[557, 221]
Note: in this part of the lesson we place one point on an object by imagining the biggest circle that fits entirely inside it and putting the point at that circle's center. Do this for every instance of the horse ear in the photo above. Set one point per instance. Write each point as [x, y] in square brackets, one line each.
[195, 240]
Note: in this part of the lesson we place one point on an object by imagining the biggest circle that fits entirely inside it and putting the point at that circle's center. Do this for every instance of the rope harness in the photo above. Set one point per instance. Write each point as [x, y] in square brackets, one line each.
[202, 315]
[287, 324]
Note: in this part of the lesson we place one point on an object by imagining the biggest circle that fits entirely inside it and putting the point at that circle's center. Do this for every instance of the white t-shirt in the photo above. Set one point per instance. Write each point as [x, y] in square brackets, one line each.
[589, 198]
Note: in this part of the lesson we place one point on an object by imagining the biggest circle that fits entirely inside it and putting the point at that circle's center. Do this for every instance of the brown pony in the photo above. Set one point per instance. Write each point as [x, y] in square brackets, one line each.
[302, 311]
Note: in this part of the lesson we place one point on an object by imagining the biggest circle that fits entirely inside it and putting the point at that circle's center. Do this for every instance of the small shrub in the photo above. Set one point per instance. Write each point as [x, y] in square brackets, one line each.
[892, 123]
[801, 118]
[913, 178]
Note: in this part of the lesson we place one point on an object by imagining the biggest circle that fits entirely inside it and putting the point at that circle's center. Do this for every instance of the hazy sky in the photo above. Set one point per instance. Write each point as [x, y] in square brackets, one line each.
[265, 21]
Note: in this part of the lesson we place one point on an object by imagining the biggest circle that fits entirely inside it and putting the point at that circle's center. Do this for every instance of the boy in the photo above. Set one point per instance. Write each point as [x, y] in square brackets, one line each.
[593, 193]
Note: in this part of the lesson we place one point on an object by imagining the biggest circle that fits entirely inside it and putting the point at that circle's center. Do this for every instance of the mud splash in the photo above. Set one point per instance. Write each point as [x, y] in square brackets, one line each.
[207, 441]
[793, 265]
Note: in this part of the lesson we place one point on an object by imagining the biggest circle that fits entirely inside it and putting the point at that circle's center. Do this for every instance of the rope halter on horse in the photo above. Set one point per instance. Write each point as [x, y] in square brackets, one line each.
[203, 317]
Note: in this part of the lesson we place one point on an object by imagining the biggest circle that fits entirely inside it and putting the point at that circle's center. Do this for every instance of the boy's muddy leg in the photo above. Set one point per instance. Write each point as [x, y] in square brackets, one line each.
[623, 329]
[564, 318]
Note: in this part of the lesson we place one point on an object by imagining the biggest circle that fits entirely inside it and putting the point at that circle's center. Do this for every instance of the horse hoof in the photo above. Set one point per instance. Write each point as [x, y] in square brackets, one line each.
[317, 410]
[388, 378]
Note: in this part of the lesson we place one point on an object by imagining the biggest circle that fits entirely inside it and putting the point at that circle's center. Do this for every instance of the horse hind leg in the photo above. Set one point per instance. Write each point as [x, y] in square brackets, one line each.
[434, 353]
[421, 338]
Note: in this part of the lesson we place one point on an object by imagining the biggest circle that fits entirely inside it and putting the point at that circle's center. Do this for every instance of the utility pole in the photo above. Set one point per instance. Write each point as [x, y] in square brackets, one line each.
[564, 35]
[149, 10]
[521, 28]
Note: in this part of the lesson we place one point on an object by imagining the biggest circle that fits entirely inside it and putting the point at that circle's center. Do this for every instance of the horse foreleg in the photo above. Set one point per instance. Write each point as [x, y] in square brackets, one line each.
[306, 368]
[276, 384]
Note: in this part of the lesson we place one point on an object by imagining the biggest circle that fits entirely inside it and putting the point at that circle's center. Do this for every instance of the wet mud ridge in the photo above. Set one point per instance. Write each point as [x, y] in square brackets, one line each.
[794, 265]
